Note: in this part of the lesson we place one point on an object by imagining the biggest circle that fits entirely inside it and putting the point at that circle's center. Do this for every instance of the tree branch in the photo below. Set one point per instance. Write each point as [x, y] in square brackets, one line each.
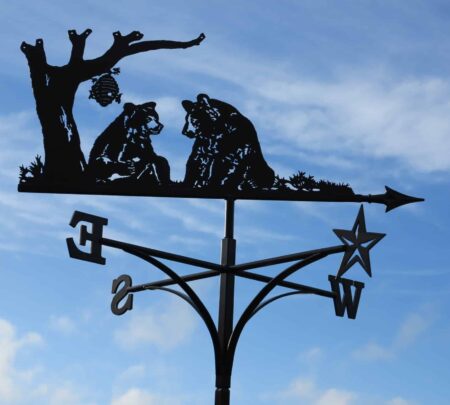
[162, 44]
[35, 54]
[78, 44]
[122, 47]
[37, 62]
[121, 41]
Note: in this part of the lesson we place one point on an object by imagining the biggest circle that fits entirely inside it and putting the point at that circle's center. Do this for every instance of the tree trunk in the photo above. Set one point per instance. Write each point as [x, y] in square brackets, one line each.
[64, 160]
[54, 89]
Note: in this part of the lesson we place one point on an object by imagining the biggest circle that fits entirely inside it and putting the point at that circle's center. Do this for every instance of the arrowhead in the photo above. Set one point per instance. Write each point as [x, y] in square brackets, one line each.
[394, 199]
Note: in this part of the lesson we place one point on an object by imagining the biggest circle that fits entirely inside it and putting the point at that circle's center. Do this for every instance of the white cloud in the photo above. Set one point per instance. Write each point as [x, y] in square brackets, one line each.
[211, 206]
[191, 221]
[164, 327]
[64, 395]
[306, 389]
[254, 235]
[368, 115]
[301, 388]
[373, 351]
[24, 385]
[136, 396]
[312, 355]
[11, 378]
[413, 326]
[62, 324]
[62, 392]
[336, 397]
[399, 401]
[133, 372]
[190, 243]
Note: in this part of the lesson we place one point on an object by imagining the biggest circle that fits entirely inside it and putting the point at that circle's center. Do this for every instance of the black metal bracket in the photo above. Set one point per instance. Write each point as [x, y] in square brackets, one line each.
[225, 335]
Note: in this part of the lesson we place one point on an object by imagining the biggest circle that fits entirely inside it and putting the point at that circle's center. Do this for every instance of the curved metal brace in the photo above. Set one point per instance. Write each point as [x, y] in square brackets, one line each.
[197, 303]
[277, 297]
[249, 311]
[184, 297]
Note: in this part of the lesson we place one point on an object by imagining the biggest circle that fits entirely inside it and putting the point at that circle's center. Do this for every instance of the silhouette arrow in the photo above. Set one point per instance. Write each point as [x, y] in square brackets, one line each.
[391, 198]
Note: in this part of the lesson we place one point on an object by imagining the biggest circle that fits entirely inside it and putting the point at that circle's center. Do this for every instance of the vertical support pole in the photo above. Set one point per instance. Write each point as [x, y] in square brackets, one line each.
[226, 306]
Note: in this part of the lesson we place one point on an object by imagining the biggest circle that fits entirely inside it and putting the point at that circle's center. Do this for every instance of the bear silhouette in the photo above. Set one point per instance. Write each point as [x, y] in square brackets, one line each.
[226, 152]
[123, 152]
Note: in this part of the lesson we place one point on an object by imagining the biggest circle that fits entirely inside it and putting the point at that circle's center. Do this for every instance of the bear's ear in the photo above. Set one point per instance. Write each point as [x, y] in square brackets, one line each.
[187, 105]
[203, 99]
[150, 104]
[129, 107]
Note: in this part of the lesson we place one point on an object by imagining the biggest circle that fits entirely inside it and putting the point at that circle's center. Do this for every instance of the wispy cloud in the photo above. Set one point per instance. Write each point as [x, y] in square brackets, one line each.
[408, 332]
[12, 380]
[137, 396]
[133, 372]
[373, 351]
[368, 113]
[63, 324]
[66, 394]
[399, 401]
[306, 390]
[312, 355]
[194, 222]
[165, 328]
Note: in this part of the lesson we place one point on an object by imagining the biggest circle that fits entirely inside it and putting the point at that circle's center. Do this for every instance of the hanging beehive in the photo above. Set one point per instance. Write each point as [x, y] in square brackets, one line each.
[105, 89]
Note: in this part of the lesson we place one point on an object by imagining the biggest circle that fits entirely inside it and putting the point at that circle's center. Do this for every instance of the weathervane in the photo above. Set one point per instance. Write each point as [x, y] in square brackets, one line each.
[226, 162]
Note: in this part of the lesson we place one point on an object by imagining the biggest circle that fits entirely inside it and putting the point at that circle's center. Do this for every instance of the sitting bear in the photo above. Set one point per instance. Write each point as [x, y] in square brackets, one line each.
[226, 151]
[124, 151]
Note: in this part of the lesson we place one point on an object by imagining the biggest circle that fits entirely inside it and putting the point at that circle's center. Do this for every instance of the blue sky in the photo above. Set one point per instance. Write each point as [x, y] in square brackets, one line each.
[350, 91]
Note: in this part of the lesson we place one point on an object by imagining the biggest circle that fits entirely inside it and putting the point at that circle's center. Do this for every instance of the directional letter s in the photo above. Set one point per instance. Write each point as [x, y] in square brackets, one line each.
[121, 294]
[348, 301]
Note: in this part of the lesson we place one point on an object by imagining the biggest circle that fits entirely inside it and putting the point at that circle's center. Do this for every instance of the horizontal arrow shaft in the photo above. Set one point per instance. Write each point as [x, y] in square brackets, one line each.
[390, 198]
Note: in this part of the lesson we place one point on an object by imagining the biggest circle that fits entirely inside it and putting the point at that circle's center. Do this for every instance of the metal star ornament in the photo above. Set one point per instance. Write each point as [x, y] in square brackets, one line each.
[358, 243]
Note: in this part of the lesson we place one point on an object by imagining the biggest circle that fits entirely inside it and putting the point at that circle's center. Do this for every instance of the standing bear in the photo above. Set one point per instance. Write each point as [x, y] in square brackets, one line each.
[226, 151]
[124, 151]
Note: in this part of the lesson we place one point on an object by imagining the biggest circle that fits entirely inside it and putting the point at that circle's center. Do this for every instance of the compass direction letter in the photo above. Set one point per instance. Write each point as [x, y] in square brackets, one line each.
[94, 237]
[348, 301]
[121, 294]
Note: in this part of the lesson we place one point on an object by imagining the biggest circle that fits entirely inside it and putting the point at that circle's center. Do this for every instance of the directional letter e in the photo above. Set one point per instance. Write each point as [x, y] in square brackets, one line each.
[95, 236]
[347, 301]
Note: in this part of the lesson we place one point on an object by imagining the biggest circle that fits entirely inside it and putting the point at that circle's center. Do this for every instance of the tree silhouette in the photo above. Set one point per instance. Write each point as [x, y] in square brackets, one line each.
[54, 89]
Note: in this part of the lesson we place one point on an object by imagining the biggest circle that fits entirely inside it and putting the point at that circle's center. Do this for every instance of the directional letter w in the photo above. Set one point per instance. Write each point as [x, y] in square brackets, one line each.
[347, 300]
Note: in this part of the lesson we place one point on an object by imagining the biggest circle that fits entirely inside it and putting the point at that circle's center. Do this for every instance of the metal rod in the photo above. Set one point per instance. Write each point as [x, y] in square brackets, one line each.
[169, 281]
[183, 296]
[229, 220]
[249, 311]
[390, 198]
[194, 299]
[226, 306]
[161, 254]
[288, 284]
[276, 298]
[287, 258]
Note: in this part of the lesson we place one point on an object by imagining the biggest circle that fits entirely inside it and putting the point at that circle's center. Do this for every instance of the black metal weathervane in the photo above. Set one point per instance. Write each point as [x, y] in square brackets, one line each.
[226, 162]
